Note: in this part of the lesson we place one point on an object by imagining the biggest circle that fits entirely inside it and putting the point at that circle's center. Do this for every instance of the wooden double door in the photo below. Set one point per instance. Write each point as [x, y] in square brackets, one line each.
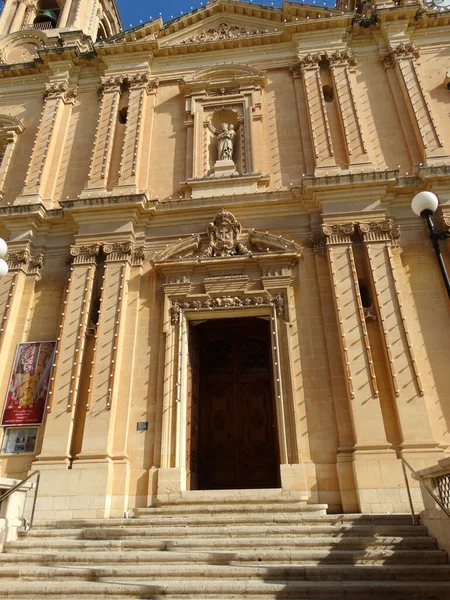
[232, 430]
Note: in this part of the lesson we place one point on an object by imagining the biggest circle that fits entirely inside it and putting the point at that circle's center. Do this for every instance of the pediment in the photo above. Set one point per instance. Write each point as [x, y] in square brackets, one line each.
[225, 239]
[220, 28]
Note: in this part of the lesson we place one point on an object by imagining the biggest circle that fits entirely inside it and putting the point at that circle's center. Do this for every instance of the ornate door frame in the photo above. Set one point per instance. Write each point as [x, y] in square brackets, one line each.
[226, 273]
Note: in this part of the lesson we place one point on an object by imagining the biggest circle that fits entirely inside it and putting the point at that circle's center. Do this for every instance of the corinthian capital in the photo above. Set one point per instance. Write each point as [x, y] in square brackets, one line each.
[342, 58]
[310, 61]
[118, 251]
[111, 83]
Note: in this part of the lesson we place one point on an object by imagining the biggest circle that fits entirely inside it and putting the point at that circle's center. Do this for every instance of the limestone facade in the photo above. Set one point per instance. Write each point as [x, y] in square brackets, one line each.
[125, 228]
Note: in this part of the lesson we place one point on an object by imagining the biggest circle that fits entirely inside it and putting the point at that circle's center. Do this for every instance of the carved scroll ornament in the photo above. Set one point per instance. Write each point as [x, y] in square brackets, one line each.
[222, 32]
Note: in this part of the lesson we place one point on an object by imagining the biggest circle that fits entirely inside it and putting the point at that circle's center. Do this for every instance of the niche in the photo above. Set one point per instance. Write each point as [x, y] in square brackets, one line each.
[215, 126]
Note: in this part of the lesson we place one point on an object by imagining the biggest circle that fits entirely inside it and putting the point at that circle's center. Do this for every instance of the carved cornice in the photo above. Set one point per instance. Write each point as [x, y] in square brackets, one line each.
[221, 302]
[379, 231]
[84, 255]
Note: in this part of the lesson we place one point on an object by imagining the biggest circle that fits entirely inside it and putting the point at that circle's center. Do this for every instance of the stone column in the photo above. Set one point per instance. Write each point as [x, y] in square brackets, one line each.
[19, 16]
[403, 59]
[374, 462]
[132, 169]
[318, 118]
[341, 64]
[49, 143]
[65, 13]
[101, 154]
[9, 8]
[103, 463]
[16, 296]
[404, 369]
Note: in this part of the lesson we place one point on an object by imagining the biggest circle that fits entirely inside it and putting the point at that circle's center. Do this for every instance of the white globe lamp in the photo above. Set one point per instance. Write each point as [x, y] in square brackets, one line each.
[424, 201]
[3, 248]
[3, 267]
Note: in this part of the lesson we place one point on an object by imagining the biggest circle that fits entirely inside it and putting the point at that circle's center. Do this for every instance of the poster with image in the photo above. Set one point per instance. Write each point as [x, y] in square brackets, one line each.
[29, 383]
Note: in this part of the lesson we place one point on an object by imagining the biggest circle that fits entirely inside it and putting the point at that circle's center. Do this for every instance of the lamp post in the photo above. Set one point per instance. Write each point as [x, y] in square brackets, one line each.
[3, 263]
[425, 204]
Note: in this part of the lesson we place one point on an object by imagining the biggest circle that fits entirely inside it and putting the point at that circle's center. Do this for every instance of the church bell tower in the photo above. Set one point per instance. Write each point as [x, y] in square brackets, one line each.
[99, 19]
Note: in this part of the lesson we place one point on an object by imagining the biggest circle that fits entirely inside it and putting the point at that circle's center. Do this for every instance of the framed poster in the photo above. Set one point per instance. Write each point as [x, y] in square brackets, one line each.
[29, 383]
[19, 441]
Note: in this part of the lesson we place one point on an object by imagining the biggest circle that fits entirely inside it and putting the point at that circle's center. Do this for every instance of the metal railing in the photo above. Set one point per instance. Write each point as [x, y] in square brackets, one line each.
[11, 491]
[40, 26]
[418, 478]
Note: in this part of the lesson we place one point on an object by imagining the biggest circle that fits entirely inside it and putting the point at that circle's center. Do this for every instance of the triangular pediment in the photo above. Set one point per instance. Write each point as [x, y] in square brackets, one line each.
[221, 21]
[220, 28]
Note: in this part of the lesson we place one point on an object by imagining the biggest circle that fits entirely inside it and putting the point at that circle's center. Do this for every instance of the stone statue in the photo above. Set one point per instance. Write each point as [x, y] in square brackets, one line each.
[225, 142]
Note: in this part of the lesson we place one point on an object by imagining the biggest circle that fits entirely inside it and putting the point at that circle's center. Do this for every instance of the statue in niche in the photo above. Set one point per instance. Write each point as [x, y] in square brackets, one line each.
[223, 235]
[225, 142]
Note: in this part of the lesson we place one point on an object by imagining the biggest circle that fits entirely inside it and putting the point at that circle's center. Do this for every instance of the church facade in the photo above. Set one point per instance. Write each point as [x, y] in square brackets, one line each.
[216, 281]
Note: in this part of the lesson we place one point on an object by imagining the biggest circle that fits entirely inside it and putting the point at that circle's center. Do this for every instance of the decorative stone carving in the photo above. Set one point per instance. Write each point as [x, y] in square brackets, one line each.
[82, 255]
[22, 260]
[379, 230]
[112, 83]
[399, 52]
[310, 61]
[138, 80]
[221, 302]
[338, 233]
[225, 142]
[223, 32]
[60, 90]
[342, 58]
[117, 251]
[223, 235]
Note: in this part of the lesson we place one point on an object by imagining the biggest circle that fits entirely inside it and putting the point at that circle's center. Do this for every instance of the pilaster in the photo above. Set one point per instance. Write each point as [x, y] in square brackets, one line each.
[373, 458]
[16, 297]
[403, 59]
[141, 99]
[110, 92]
[49, 143]
[8, 138]
[68, 357]
[318, 118]
[342, 66]
[103, 462]
[406, 379]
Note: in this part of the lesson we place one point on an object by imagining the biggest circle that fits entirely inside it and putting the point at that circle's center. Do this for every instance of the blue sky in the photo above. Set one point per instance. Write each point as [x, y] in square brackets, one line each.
[134, 11]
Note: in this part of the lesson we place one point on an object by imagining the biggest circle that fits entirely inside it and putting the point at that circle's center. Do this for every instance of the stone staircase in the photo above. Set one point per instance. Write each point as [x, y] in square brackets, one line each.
[218, 546]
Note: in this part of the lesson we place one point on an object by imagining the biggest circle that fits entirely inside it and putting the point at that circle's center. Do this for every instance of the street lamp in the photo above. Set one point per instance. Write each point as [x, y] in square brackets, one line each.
[3, 263]
[425, 204]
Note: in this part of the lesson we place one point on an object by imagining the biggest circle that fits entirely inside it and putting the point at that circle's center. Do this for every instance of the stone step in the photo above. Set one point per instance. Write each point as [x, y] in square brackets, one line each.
[208, 515]
[345, 539]
[236, 507]
[144, 573]
[175, 551]
[232, 529]
[251, 590]
[228, 497]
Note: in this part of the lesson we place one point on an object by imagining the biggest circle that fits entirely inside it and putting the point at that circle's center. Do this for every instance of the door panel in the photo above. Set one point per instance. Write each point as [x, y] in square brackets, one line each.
[237, 442]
